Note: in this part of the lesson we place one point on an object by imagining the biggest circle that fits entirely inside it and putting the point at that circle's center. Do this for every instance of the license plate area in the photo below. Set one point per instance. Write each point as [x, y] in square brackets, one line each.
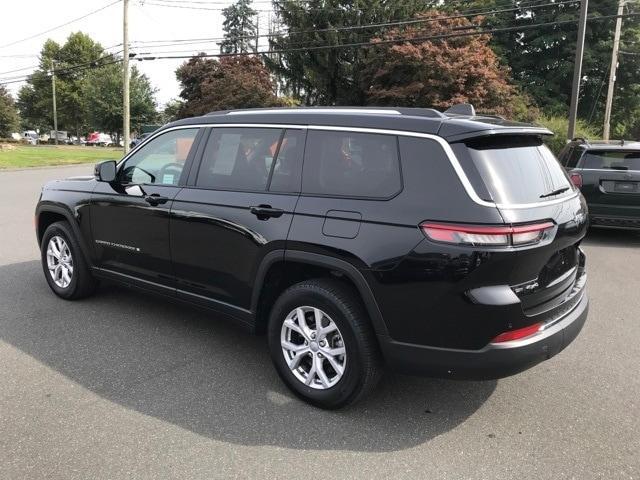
[620, 186]
[625, 187]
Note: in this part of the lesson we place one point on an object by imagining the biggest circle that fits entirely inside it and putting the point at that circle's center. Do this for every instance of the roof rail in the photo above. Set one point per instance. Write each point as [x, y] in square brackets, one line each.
[422, 112]
[363, 110]
[461, 109]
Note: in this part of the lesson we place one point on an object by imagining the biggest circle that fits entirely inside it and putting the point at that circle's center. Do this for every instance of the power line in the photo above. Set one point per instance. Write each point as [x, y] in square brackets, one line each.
[390, 41]
[59, 26]
[92, 64]
[71, 69]
[32, 67]
[409, 21]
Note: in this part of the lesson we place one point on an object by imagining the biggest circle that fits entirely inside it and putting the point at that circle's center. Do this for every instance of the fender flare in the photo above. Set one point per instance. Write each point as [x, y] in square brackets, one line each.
[52, 208]
[332, 263]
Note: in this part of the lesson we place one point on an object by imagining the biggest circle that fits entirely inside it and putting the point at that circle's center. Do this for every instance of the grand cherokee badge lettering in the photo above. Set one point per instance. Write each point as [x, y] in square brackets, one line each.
[117, 245]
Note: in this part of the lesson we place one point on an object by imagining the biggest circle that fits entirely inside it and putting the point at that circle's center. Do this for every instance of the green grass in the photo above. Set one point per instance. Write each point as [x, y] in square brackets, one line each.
[50, 155]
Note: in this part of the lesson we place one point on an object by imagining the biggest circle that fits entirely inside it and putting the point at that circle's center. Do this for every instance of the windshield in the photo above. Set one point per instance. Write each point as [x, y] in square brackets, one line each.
[518, 169]
[614, 160]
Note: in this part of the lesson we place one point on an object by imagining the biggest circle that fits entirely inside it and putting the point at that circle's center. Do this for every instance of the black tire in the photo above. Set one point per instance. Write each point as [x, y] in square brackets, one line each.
[82, 283]
[363, 367]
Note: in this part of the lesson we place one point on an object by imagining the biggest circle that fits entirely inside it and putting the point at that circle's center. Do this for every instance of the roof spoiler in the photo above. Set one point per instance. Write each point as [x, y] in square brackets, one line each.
[461, 109]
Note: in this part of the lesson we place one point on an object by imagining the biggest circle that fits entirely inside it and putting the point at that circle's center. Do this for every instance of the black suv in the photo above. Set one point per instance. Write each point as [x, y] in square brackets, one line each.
[444, 244]
[608, 173]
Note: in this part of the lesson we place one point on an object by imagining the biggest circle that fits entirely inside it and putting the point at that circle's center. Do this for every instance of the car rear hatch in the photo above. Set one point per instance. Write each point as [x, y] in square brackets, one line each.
[528, 185]
[611, 185]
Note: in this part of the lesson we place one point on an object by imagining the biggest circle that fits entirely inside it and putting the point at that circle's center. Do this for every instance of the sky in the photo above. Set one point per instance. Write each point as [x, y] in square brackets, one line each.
[147, 21]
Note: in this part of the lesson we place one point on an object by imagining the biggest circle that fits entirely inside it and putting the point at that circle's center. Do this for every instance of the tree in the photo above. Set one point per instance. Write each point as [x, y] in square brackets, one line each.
[35, 99]
[330, 76]
[171, 111]
[239, 28]
[231, 82]
[541, 59]
[439, 72]
[9, 121]
[103, 89]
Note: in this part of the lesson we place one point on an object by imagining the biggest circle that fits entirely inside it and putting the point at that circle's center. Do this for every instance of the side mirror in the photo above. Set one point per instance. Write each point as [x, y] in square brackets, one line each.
[106, 171]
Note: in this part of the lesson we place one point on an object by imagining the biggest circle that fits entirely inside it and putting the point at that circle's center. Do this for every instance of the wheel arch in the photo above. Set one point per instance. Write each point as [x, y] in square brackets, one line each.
[275, 275]
[47, 214]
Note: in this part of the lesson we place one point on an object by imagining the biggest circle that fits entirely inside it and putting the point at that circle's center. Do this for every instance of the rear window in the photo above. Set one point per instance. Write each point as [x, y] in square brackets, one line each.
[614, 160]
[518, 169]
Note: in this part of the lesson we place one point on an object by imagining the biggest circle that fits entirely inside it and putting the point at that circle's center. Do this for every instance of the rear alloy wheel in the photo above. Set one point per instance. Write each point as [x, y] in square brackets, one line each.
[313, 347]
[322, 343]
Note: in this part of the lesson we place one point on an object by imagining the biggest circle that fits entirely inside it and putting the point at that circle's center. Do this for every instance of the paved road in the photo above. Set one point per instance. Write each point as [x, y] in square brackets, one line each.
[127, 386]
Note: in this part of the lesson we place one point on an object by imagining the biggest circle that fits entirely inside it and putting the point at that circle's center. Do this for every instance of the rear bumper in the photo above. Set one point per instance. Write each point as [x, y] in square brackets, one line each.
[496, 360]
[615, 221]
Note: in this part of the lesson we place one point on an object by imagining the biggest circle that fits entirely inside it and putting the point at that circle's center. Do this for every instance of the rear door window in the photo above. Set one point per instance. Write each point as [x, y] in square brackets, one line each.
[611, 160]
[517, 169]
[351, 164]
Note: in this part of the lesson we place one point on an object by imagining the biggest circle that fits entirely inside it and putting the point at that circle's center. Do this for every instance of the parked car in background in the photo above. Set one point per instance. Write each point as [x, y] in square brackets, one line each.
[99, 139]
[139, 139]
[31, 136]
[608, 174]
[63, 137]
[443, 244]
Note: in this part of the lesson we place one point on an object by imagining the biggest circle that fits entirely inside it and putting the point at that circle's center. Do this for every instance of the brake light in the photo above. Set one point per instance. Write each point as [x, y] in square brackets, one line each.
[502, 235]
[576, 179]
[518, 334]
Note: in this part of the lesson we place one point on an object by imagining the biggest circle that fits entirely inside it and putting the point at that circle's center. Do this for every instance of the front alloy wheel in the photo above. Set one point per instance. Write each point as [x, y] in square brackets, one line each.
[313, 347]
[59, 261]
[64, 266]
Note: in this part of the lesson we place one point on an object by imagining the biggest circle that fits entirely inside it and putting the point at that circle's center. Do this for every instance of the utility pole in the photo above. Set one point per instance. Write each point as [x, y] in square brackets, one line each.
[612, 72]
[577, 69]
[125, 76]
[257, 31]
[55, 109]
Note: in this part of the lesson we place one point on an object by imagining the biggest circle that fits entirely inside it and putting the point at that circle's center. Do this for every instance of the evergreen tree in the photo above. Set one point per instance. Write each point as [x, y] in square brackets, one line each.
[330, 76]
[239, 28]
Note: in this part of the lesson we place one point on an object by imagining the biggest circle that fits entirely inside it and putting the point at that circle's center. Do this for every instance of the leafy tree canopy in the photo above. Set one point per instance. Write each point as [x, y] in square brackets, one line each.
[103, 88]
[9, 121]
[231, 82]
[330, 76]
[440, 72]
[88, 89]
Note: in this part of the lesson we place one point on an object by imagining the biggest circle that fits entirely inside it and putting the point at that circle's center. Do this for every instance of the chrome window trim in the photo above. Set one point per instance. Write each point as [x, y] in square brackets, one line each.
[462, 176]
[608, 170]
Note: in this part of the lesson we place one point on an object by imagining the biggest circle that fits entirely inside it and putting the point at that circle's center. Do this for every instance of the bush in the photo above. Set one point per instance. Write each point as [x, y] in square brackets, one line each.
[22, 141]
[559, 126]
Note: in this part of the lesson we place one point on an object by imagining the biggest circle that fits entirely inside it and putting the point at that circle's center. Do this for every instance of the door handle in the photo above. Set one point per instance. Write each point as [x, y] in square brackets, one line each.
[155, 199]
[264, 212]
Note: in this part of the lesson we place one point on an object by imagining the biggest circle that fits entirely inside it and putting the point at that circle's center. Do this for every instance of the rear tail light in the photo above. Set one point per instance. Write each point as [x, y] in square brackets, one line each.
[518, 334]
[487, 235]
[576, 179]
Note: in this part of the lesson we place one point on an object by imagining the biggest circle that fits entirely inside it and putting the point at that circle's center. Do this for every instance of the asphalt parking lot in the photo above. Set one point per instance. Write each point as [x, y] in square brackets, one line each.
[123, 385]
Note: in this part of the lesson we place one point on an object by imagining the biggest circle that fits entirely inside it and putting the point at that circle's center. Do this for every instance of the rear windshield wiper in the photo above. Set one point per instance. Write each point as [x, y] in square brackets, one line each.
[558, 191]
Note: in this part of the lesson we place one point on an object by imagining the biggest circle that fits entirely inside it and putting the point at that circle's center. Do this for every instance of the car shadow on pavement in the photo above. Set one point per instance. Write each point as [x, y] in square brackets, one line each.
[183, 366]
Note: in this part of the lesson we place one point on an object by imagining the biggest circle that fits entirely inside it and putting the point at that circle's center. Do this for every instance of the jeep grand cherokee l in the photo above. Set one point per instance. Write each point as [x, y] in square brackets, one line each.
[445, 244]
